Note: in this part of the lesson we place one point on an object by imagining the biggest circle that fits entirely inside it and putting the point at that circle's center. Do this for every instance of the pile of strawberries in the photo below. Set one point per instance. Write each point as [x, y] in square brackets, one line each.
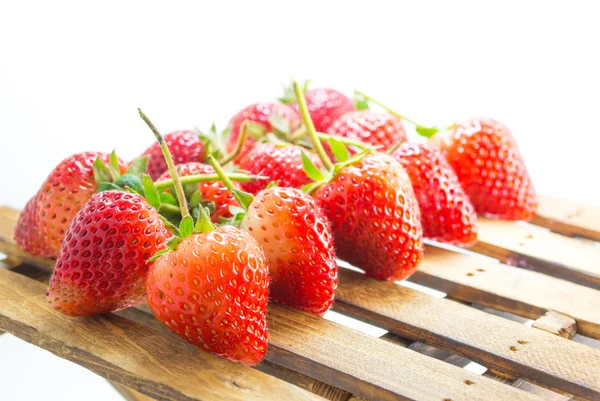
[206, 227]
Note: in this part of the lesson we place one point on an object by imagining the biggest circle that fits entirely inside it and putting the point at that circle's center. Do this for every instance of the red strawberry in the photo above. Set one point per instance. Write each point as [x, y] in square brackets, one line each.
[260, 113]
[446, 212]
[68, 187]
[326, 105]
[185, 146]
[372, 208]
[296, 237]
[27, 234]
[375, 128]
[283, 164]
[374, 217]
[102, 264]
[213, 291]
[490, 168]
[213, 191]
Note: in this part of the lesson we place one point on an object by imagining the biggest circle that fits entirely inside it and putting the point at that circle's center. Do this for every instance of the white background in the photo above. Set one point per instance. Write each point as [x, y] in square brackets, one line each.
[73, 73]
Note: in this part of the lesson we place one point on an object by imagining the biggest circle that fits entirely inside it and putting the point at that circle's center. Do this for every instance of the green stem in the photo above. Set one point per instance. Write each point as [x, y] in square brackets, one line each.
[197, 178]
[172, 169]
[243, 198]
[394, 146]
[310, 127]
[346, 141]
[297, 135]
[239, 144]
[165, 207]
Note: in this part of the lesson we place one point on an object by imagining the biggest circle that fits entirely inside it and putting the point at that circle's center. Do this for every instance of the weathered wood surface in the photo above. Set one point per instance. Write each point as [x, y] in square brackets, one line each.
[557, 324]
[482, 280]
[550, 361]
[568, 217]
[126, 352]
[544, 251]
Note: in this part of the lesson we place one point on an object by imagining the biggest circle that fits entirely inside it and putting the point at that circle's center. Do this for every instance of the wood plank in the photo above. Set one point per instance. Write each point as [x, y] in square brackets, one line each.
[129, 394]
[346, 358]
[550, 361]
[366, 366]
[568, 217]
[544, 251]
[126, 352]
[557, 324]
[482, 280]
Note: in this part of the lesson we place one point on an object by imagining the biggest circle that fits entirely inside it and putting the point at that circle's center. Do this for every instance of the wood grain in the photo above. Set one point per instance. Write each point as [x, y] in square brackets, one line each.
[550, 361]
[482, 280]
[568, 217]
[349, 359]
[120, 350]
[544, 251]
[557, 324]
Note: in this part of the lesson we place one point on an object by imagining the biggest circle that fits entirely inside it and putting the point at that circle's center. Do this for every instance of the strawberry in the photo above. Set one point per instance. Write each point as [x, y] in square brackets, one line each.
[102, 264]
[27, 235]
[490, 168]
[211, 285]
[372, 208]
[326, 105]
[68, 187]
[297, 240]
[213, 191]
[375, 128]
[185, 146]
[446, 212]
[262, 115]
[282, 164]
[213, 291]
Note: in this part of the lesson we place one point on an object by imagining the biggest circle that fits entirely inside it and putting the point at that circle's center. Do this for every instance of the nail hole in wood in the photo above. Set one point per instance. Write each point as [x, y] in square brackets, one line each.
[513, 348]
[521, 243]
[481, 270]
[469, 382]
[470, 274]
[529, 236]
[447, 399]
[522, 342]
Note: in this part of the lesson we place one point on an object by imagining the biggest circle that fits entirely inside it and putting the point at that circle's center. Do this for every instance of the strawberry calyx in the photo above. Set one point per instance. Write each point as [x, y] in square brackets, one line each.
[109, 177]
[289, 96]
[337, 145]
[186, 226]
[422, 130]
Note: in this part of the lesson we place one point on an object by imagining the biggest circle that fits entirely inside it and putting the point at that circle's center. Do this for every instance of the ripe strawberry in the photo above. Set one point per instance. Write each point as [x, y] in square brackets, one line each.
[326, 105]
[372, 208]
[490, 168]
[446, 212]
[282, 164]
[68, 187]
[213, 291]
[213, 191]
[27, 234]
[374, 217]
[262, 114]
[296, 237]
[102, 264]
[185, 146]
[211, 285]
[375, 128]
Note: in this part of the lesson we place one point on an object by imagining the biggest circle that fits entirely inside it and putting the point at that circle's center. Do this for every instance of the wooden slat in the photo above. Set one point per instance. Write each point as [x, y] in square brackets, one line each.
[120, 350]
[479, 279]
[557, 324]
[568, 217]
[495, 342]
[540, 250]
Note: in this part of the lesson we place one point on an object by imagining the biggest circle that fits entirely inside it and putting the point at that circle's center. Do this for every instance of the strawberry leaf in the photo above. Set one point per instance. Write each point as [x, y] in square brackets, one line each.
[195, 199]
[244, 198]
[108, 186]
[427, 132]
[166, 197]
[130, 181]
[272, 184]
[138, 167]
[101, 172]
[311, 170]
[203, 224]
[256, 130]
[158, 255]
[280, 125]
[360, 102]
[150, 191]
[113, 165]
[340, 151]
[186, 227]
[354, 159]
